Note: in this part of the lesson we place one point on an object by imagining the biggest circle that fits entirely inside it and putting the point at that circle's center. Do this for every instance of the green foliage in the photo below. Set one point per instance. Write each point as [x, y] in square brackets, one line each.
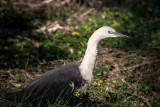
[107, 62]
[147, 84]
[136, 24]
[140, 52]
[37, 23]
[1, 70]
[18, 77]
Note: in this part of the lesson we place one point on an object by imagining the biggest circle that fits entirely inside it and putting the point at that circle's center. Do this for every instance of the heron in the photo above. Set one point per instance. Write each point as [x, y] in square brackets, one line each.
[63, 81]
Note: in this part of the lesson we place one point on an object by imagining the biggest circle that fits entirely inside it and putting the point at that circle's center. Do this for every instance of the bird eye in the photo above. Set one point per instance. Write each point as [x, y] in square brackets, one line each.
[109, 31]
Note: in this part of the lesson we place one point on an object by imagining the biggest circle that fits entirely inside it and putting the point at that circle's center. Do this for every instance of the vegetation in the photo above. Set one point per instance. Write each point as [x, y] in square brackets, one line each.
[126, 72]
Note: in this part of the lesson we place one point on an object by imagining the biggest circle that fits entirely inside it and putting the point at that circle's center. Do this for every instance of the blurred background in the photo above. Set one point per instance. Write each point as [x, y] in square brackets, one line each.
[38, 35]
[53, 29]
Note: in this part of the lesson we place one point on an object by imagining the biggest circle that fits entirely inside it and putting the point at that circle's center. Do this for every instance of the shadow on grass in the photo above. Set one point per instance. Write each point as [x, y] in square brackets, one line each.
[19, 46]
[73, 101]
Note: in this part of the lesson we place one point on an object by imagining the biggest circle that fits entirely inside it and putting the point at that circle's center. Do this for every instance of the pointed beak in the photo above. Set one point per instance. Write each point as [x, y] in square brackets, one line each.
[116, 34]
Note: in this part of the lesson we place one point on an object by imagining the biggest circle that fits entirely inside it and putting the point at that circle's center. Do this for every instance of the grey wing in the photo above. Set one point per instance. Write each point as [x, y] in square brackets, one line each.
[58, 82]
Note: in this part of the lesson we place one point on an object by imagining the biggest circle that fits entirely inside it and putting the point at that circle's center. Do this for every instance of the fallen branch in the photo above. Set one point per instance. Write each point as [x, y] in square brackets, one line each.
[35, 6]
[145, 63]
[53, 26]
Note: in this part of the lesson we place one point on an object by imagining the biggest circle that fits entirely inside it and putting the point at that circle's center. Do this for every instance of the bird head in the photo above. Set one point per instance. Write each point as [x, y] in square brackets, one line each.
[108, 32]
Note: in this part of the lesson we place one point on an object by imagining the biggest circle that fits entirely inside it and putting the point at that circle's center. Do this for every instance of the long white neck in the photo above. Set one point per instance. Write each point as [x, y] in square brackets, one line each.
[87, 65]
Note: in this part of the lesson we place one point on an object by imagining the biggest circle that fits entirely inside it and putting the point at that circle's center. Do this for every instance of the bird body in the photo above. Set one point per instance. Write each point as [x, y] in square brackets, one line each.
[59, 82]
[56, 80]
[64, 80]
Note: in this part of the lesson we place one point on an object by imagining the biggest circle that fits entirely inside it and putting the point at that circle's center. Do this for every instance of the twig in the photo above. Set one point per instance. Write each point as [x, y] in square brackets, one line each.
[89, 11]
[142, 97]
[27, 63]
[35, 44]
[42, 4]
[127, 99]
[4, 100]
